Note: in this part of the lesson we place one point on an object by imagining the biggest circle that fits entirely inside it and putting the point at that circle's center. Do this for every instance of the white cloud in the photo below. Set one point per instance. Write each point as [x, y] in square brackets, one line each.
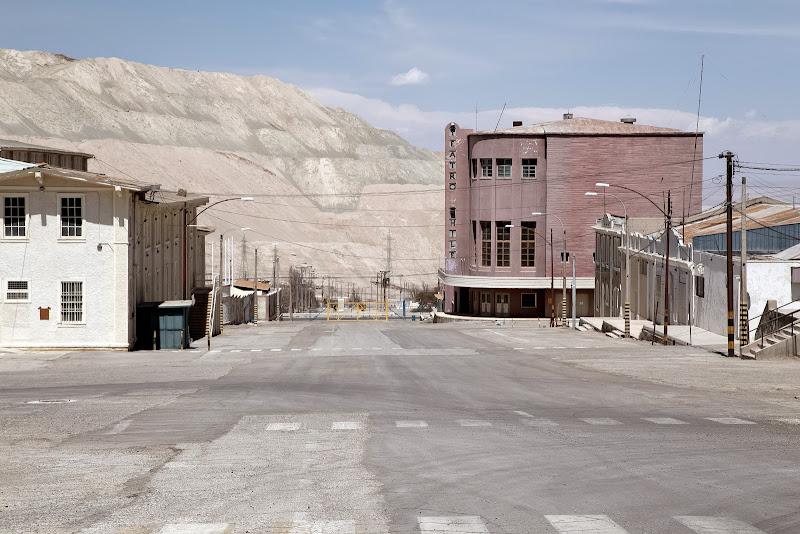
[414, 76]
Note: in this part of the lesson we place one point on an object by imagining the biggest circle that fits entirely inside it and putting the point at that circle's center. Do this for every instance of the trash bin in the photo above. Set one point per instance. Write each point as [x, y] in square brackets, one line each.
[163, 325]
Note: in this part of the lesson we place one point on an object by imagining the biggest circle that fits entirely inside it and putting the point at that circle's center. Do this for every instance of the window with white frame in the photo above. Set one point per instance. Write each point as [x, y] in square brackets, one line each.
[529, 168]
[503, 168]
[486, 167]
[452, 253]
[17, 291]
[72, 217]
[72, 302]
[15, 220]
[452, 233]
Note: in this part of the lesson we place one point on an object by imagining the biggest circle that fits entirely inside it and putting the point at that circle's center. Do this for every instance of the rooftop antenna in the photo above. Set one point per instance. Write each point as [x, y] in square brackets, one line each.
[696, 131]
[500, 117]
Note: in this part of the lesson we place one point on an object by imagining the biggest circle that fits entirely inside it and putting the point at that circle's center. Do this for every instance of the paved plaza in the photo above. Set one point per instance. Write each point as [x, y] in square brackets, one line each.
[316, 427]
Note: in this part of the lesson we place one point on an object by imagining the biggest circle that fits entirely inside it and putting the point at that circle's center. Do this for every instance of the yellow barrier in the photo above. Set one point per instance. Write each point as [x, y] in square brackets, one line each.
[358, 311]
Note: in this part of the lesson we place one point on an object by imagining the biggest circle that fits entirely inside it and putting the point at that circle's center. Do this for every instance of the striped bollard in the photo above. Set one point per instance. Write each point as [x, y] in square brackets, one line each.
[563, 312]
[627, 320]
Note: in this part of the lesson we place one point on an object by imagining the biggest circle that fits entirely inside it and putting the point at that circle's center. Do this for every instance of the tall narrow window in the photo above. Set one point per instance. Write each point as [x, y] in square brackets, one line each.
[527, 243]
[474, 168]
[452, 212]
[503, 243]
[486, 243]
[529, 168]
[14, 218]
[475, 242]
[71, 217]
[72, 302]
[503, 168]
[486, 167]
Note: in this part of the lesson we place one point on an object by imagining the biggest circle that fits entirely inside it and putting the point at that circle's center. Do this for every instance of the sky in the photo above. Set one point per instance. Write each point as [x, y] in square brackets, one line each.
[413, 66]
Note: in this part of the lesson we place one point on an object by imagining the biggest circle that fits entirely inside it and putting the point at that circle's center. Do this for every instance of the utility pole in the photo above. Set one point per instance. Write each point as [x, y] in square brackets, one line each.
[574, 294]
[744, 323]
[666, 265]
[627, 276]
[255, 291]
[221, 269]
[552, 285]
[291, 298]
[564, 278]
[729, 243]
[244, 257]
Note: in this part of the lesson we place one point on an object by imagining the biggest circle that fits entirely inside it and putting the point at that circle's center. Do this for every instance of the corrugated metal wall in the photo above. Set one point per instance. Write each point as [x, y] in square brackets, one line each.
[759, 240]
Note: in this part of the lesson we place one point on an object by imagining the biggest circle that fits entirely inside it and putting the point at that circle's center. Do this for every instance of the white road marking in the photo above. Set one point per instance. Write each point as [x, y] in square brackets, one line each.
[283, 427]
[346, 425]
[397, 348]
[122, 425]
[730, 421]
[524, 414]
[790, 421]
[717, 525]
[665, 421]
[411, 424]
[473, 422]
[539, 421]
[337, 348]
[462, 524]
[195, 528]
[236, 350]
[274, 350]
[559, 347]
[255, 350]
[579, 347]
[379, 348]
[356, 348]
[600, 421]
[519, 348]
[217, 350]
[582, 524]
[539, 348]
[301, 526]
[315, 349]
[295, 350]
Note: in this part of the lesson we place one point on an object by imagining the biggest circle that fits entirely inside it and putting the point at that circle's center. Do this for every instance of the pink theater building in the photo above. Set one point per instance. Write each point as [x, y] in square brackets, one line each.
[498, 258]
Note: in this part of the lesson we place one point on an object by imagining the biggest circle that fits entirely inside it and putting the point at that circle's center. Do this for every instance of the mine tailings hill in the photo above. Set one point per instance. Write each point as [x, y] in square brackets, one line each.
[328, 187]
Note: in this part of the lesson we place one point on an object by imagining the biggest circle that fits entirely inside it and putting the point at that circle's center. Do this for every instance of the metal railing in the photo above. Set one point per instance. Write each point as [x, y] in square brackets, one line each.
[776, 324]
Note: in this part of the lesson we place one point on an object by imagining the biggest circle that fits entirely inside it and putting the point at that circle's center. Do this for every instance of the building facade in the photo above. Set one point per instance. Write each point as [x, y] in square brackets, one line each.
[79, 251]
[515, 196]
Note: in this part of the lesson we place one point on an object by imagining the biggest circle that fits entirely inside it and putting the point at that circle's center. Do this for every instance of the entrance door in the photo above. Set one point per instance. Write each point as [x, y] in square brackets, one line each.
[486, 303]
[501, 308]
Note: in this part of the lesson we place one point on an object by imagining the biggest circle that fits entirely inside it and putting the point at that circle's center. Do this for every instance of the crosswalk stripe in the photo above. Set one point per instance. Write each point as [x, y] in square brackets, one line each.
[322, 527]
[411, 424]
[196, 528]
[274, 350]
[665, 421]
[255, 350]
[217, 350]
[730, 421]
[600, 421]
[717, 525]
[119, 427]
[346, 425]
[236, 350]
[523, 414]
[283, 427]
[583, 524]
[473, 422]
[295, 350]
[790, 421]
[462, 524]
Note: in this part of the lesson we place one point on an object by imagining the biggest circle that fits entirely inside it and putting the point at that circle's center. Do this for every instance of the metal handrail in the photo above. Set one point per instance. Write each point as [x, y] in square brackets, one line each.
[793, 321]
[772, 310]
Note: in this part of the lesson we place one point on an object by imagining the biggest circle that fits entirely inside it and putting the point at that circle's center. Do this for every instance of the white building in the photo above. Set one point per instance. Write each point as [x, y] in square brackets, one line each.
[79, 251]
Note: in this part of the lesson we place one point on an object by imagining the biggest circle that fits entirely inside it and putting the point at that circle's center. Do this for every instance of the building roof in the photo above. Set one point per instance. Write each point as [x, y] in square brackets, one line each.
[586, 126]
[70, 174]
[8, 144]
[9, 165]
[791, 253]
[248, 284]
[761, 212]
[174, 198]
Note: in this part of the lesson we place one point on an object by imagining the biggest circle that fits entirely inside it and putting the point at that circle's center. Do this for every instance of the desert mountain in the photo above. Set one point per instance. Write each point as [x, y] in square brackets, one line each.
[328, 187]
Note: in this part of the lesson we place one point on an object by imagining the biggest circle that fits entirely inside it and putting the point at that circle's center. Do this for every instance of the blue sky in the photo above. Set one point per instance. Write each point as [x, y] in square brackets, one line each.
[412, 66]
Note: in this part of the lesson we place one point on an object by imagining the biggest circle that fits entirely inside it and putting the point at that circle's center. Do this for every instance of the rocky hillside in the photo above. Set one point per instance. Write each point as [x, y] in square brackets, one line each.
[328, 186]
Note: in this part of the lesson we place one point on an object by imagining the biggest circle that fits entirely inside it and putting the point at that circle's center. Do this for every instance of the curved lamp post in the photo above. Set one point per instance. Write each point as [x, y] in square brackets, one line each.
[563, 265]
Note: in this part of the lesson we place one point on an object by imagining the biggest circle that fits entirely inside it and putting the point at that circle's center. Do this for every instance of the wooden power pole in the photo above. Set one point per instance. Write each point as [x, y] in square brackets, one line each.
[729, 244]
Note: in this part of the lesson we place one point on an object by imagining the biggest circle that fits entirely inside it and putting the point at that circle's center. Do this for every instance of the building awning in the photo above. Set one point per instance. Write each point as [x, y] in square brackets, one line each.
[240, 293]
[512, 282]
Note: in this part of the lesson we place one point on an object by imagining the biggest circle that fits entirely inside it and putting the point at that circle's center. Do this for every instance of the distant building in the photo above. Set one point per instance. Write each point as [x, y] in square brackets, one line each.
[498, 258]
[79, 251]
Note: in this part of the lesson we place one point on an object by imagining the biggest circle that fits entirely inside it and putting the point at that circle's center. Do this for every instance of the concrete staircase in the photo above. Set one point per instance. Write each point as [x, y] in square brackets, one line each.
[780, 344]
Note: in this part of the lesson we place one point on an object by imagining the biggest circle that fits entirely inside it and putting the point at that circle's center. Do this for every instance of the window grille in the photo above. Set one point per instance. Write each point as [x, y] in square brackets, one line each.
[503, 168]
[486, 243]
[71, 217]
[503, 243]
[17, 290]
[529, 168]
[71, 302]
[14, 220]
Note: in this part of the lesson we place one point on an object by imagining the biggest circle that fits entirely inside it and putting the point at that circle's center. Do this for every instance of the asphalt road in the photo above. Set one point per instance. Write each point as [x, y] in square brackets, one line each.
[398, 427]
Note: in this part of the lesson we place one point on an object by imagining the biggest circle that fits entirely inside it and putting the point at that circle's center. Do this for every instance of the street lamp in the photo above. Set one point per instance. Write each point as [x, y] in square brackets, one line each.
[563, 265]
[627, 266]
[668, 224]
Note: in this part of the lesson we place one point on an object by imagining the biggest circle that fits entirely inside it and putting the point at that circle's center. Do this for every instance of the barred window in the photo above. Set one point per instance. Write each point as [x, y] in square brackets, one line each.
[17, 290]
[71, 217]
[486, 243]
[503, 243]
[14, 219]
[72, 302]
[503, 168]
[486, 167]
[529, 168]
[527, 243]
